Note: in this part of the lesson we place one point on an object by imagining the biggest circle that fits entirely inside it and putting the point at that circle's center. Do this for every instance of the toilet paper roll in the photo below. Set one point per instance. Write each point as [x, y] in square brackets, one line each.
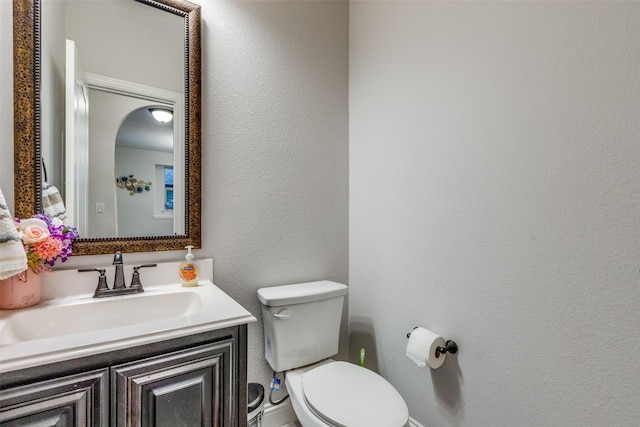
[421, 348]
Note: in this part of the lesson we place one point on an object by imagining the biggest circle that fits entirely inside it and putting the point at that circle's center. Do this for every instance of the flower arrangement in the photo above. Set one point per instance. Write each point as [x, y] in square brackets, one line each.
[45, 240]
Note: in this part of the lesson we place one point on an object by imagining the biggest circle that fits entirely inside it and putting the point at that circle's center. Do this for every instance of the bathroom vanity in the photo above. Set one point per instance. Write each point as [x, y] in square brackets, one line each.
[167, 357]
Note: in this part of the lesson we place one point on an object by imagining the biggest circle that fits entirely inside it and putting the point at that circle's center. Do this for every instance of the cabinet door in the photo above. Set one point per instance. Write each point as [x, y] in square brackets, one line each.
[186, 388]
[75, 401]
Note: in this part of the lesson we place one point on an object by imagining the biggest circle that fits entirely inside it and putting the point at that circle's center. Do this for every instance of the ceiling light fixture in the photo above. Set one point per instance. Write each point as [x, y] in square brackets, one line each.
[162, 115]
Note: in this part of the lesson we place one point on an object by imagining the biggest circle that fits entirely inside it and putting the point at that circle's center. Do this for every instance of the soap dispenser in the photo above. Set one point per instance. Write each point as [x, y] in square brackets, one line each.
[189, 270]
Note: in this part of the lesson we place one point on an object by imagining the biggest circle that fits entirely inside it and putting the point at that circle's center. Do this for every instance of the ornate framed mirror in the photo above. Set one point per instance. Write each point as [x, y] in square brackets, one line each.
[30, 112]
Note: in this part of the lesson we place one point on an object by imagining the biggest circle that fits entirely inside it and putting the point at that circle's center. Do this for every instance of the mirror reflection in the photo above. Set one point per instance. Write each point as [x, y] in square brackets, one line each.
[144, 173]
[106, 65]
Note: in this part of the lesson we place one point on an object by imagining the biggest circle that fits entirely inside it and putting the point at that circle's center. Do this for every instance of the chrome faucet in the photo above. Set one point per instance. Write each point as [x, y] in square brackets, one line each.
[119, 287]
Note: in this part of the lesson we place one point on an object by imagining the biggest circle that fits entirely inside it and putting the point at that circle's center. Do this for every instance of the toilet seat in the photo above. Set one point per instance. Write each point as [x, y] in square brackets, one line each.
[345, 395]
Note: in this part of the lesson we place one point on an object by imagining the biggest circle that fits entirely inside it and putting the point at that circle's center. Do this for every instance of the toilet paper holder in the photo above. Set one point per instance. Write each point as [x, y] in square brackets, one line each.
[449, 346]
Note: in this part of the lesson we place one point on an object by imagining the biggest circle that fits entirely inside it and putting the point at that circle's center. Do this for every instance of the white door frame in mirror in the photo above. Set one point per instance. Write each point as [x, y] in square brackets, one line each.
[76, 150]
[172, 99]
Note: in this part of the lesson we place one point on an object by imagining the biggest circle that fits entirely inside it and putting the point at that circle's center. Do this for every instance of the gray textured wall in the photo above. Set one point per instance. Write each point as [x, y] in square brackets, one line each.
[495, 199]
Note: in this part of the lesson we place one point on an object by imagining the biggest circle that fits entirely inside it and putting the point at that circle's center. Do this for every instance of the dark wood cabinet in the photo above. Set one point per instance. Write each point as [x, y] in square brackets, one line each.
[188, 387]
[74, 400]
[198, 380]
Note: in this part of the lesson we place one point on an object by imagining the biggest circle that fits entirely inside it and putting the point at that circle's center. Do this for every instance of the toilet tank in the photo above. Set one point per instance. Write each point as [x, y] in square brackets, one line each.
[301, 322]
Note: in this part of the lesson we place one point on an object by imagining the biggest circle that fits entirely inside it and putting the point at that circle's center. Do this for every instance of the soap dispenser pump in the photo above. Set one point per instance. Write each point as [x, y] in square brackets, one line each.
[189, 270]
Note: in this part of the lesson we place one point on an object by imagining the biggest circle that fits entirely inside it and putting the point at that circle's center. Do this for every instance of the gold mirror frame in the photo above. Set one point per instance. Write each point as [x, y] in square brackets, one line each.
[27, 153]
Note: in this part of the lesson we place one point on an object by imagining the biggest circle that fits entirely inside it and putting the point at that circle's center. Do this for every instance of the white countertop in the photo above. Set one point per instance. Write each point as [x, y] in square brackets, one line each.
[218, 310]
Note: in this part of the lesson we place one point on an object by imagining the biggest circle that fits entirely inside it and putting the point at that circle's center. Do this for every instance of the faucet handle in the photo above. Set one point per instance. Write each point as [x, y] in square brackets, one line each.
[145, 265]
[135, 280]
[102, 281]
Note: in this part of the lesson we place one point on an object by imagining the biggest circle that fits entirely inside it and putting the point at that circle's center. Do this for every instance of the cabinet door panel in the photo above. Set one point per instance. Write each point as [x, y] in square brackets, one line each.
[73, 401]
[185, 388]
[180, 400]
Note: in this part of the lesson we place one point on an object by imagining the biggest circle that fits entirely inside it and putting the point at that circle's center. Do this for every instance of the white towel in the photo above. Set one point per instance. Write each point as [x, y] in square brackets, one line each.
[13, 258]
[52, 202]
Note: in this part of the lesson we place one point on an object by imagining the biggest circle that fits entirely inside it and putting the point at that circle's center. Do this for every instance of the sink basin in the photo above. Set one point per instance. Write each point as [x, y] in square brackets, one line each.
[93, 315]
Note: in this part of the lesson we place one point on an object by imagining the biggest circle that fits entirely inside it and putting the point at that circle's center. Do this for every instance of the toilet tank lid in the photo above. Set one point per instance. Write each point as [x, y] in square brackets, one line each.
[275, 296]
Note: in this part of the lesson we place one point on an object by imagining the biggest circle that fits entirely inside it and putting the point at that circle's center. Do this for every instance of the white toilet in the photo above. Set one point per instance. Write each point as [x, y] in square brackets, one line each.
[301, 330]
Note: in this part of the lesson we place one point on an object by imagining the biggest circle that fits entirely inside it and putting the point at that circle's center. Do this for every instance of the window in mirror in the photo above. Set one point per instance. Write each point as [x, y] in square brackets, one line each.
[163, 194]
[168, 188]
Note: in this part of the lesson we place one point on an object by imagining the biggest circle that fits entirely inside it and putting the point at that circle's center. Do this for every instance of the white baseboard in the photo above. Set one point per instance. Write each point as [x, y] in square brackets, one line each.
[281, 415]
[414, 423]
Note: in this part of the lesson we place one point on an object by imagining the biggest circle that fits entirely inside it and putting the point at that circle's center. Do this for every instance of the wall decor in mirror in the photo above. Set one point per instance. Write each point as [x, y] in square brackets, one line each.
[93, 105]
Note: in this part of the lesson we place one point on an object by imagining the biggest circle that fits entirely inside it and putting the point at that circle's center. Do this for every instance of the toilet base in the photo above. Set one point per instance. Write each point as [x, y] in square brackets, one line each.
[358, 414]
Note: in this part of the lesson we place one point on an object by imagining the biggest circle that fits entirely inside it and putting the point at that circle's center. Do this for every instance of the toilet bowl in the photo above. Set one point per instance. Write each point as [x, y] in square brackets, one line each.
[340, 394]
